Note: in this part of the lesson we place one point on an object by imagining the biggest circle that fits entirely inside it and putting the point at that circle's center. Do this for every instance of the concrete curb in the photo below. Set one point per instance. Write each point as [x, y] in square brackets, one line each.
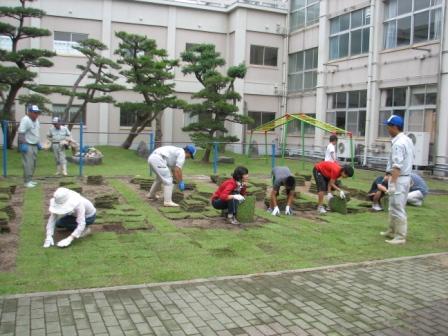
[222, 278]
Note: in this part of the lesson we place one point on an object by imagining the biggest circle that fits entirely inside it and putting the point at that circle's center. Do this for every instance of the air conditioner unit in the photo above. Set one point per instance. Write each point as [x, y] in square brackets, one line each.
[343, 149]
[421, 142]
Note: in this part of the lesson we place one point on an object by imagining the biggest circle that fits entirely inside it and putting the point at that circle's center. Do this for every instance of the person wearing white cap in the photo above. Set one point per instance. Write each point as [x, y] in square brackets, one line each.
[164, 160]
[29, 143]
[399, 166]
[71, 211]
[58, 134]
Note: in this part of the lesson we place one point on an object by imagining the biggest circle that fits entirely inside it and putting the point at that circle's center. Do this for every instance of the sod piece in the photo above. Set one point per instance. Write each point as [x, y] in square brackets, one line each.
[338, 205]
[95, 180]
[246, 210]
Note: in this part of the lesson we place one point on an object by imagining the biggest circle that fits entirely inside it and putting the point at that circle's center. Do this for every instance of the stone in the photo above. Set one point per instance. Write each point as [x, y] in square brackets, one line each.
[142, 150]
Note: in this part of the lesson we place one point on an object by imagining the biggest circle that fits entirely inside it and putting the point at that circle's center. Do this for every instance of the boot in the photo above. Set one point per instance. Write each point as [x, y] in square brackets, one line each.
[64, 169]
[167, 194]
[152, 192]
[58, 170]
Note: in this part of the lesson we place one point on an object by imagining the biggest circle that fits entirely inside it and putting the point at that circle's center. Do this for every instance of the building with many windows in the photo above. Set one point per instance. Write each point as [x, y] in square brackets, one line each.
[351, 63]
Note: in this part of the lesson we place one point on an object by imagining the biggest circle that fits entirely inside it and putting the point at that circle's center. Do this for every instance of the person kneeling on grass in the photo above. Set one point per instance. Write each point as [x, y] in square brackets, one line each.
[71, 211]
[378, 190]
[281, 176]
[231, 193]
[326, 174]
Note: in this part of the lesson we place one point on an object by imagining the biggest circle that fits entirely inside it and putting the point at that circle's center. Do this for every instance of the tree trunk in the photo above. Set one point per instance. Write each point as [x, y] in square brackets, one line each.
[131, 136]
[159, 134]
[9, 113]
[81, 109]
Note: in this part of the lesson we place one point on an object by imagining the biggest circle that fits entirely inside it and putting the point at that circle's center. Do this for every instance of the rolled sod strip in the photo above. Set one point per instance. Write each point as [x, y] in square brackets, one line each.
[246, 210]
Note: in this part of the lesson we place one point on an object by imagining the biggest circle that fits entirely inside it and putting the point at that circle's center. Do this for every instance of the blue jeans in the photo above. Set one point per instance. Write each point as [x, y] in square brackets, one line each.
[69, 222]
[230, 205]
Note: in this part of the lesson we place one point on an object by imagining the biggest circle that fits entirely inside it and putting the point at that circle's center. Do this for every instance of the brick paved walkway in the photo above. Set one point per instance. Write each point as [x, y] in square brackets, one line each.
[398, 297]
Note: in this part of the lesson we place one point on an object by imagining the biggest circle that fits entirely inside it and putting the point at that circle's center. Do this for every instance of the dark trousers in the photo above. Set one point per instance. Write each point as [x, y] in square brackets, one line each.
[69, 222]
[230, 205]
[321, 181]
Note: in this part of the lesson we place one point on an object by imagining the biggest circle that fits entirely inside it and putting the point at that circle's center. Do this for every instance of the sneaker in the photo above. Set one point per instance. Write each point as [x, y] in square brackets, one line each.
[152, 198]
[29, 185]
[387, 234]
[321, 210]
[170, 204]
[232, 220]
[86, 232]
[33, 182]
[377, 207]
[396, 241]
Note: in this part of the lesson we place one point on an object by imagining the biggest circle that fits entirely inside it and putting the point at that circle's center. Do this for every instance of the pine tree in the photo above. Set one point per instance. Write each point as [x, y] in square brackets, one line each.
[17, 64]
[149, 71]
[218, 97]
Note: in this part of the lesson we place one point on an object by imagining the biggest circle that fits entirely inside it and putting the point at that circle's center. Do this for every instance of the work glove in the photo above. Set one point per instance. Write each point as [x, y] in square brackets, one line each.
[181, 185]
[276, 211]
[288, 210]
[329, 197]
[239, 198]
[39, 146]
[23, 148]
[48, 241]
[341, 194]
[392, 189]
[65, 242]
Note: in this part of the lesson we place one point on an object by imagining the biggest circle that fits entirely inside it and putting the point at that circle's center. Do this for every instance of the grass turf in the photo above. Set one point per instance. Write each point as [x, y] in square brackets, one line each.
[168, 253]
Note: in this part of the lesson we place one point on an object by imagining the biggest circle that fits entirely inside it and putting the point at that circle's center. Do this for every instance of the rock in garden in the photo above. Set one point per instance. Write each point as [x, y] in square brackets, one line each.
[246, 210]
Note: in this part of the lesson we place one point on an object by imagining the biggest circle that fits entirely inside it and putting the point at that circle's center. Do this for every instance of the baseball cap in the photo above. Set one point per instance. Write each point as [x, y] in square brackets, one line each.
[56, 120]
[33, 108]
[190, 149]
[394, 120]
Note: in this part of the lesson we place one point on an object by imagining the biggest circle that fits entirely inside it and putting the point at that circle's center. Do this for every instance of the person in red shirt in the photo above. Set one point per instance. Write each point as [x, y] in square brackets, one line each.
[326, 174]
[231, 193]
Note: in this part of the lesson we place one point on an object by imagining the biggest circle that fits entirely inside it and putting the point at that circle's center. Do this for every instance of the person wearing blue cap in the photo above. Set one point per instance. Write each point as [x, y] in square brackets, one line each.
[29, 143]
[399, 166]
[163, 161]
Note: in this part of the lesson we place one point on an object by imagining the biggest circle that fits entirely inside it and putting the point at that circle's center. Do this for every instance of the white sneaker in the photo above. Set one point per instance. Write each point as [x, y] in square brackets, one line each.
[321, 210]
[377, 207]
[396, 241]
[86, 232]
[152, 198]
[33, 182]
[170, 204]
[29, 185]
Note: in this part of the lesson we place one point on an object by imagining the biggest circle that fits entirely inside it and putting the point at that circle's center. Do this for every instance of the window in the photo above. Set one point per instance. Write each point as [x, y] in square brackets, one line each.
[65, 41]
[189, 46]
[260, 118]
[347, 110]
[5, 43]
[294, 126]
[350, 33]
[58, 111]
[302, 71]
[303, 13]
[260, 55]
[416, 104]
[411, 21]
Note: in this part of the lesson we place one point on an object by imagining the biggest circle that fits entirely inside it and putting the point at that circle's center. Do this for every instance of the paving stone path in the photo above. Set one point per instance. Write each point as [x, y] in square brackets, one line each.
[397, 297]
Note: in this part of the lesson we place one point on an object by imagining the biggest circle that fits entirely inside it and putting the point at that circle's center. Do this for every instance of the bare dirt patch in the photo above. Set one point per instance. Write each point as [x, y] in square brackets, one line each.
[9, 241]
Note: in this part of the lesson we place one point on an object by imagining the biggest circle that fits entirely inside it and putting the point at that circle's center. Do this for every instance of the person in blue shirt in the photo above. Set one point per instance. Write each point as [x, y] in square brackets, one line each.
[377, 191]
[418, 190]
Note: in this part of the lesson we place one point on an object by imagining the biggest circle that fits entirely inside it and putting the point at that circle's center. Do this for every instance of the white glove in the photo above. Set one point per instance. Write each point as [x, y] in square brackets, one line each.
[239, 198]
[276, 211]
[341, 194]
[392, 189]
[288, 210]
[48, 241]
[65, 242]
[329, 197]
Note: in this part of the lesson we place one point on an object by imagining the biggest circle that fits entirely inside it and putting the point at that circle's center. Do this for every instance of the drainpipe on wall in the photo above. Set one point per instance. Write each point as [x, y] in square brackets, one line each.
[370, 89]
[284, 86]
[439, 111]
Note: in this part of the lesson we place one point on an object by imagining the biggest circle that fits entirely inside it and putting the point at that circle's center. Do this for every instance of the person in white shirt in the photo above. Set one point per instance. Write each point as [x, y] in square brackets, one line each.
[331, 153]
[164, 160]
[71, 211]
[399, 166]
[57, 135]
[29, 143]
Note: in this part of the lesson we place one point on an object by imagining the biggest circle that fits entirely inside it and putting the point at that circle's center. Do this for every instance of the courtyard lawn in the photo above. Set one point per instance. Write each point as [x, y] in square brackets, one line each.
[169, 253]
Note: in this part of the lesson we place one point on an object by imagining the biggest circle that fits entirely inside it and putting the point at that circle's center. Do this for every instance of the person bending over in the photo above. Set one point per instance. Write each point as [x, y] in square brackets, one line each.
[281, 176]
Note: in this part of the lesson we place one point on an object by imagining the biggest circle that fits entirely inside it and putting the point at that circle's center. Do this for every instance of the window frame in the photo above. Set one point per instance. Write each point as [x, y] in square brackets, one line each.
[65, 47]
[73, 109]
[348, 32]
[263, 56]
[305, 10]
[434, 6]
[5, 43]
[250, 127]
[303, 72]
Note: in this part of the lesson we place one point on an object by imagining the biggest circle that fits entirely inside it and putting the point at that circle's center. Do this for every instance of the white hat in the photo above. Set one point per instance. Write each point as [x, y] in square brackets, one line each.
[64, 201]
[56, 120]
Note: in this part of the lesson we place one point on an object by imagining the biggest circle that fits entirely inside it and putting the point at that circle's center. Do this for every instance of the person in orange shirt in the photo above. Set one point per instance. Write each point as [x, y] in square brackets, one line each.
[326, 174]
